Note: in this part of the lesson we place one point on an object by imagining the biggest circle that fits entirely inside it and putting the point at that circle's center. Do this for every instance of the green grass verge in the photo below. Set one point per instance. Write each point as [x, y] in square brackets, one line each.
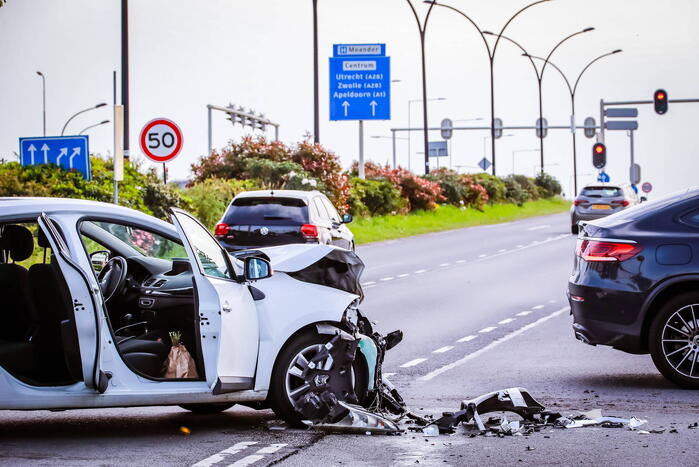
[374, 229]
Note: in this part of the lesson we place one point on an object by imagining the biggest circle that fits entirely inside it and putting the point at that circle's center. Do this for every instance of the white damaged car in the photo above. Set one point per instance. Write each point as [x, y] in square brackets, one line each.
[92, 294]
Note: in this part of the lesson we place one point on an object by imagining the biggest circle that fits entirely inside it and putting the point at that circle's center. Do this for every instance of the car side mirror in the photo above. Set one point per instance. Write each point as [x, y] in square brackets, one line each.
[346, 218]
[257, 268]
[99, 260]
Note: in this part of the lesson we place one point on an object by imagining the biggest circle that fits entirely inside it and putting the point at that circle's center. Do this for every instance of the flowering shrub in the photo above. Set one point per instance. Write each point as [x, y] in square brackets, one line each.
[420, 192]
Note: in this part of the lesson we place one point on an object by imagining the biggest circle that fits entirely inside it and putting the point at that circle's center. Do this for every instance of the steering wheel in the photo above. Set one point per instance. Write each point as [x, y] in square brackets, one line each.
[112, 277]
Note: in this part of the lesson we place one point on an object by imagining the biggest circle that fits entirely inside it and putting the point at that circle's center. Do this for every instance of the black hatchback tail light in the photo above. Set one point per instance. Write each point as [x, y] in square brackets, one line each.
[597, 251]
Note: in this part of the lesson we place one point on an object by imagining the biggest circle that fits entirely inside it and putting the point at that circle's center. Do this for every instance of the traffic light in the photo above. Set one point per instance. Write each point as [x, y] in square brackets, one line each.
[599, 155]
[660, 101]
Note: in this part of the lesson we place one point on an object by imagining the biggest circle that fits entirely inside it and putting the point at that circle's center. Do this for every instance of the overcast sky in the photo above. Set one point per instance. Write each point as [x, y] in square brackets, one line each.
[258, 54]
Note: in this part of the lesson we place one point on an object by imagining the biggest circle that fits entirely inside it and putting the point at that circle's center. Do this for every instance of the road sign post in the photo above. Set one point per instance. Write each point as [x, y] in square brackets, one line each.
[69, 152]
[161, 140]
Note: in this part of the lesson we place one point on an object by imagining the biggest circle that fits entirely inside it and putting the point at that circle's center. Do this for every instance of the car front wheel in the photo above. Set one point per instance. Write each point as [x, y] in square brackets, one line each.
[287, 385]
[674, 340]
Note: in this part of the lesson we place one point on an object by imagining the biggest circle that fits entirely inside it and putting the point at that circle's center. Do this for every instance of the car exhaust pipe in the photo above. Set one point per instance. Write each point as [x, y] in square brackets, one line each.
[583, 338]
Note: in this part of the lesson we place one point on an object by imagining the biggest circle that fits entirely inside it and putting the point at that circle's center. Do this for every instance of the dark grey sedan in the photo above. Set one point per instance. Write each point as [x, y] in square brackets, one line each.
[597, 201]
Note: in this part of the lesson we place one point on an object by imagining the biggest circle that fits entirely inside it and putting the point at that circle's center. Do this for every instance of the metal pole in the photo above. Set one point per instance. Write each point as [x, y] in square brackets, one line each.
[600, 135]
[492, 113]
[632, 156]
[410, 134]
[361, 149]
[43, 85]
[276, 132]
[575, 151]
[208, 109]
[316, 117]
[424, 105]
[125, 72]
[164, 174]
[541, 128]
[393, 137]
[115, 199]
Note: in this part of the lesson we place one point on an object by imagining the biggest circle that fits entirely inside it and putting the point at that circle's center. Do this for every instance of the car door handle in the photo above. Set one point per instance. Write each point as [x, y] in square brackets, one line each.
[226, 307]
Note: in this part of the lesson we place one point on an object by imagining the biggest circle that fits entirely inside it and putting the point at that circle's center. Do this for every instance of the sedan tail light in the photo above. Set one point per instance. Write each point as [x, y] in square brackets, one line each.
[621, 202]
[578, 202]
[600, 251]
[309, 231]
[222, 229]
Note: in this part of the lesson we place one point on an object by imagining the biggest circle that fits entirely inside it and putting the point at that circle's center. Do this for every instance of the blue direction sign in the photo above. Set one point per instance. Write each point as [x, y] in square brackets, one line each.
[603, 177]
[484, 164]
[70, 152]
[437, 149]
[360, 82]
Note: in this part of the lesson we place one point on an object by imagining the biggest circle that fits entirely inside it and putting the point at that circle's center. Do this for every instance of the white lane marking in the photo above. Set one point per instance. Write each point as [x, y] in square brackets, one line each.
[388, 375]
[482, 256]
[219, 456]
[502, 251]
[490, 346]
[537, 307]
[369, 283]
[271, 449]
[488, 329]
[369, 286]
[538, 227]
[417, 361]
[466, 339]
[446, 348]
[523, 313]
[389, 278]
[247, 460]
[444, 264]
[520, 246]
[506, 321]
[400, 276]
[420, 271]
[552, 301]
[460, 260]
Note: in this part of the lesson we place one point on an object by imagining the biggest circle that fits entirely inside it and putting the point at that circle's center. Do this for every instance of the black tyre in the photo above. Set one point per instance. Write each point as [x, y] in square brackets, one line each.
[674, 340]
[207, 408]
[286, 384]
[574, 228]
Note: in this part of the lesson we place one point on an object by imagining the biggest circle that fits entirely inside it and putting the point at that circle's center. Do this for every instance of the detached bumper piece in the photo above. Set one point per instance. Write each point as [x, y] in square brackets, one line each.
[517, 400]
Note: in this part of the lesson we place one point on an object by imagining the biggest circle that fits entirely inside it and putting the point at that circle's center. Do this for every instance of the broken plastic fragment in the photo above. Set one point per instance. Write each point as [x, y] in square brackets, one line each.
[359, 420]
[430, 430]
[636, 422]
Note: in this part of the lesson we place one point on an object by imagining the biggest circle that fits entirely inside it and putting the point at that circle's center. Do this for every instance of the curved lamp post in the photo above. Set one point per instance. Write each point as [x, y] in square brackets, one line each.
[572, 90]
[540, 77]
[491, 58]
[43, 85]
[103, 122]
[101, 104]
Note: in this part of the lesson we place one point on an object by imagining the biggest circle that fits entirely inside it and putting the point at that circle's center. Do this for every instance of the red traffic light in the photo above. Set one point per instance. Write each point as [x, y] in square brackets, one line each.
[599, 155]
[660, 101]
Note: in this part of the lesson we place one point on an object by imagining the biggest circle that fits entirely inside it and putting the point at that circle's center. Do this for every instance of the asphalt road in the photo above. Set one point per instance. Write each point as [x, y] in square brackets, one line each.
[482, 309]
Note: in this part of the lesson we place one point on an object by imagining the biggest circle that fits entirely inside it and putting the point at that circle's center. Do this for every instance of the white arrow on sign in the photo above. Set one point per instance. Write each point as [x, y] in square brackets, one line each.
[373, 105]
[31, 150]
[76, 152]
[63, 152]
[45, 149]
[346, 106]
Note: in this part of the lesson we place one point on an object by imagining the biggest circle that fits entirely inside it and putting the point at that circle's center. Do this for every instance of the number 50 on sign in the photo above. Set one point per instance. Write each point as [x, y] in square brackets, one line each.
[161, 140]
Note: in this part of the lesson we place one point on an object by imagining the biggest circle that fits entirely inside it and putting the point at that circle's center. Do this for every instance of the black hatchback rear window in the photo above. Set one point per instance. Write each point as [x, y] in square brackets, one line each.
[267, 211]
[602, 191]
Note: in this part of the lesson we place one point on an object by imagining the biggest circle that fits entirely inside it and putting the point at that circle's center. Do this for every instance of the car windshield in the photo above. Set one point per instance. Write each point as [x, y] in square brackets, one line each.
[266, 210]
[143, 241]
[601, 192]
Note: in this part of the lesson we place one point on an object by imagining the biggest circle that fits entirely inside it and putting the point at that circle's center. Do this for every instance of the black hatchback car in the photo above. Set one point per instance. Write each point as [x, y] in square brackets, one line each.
[256, 219]
[635, 284]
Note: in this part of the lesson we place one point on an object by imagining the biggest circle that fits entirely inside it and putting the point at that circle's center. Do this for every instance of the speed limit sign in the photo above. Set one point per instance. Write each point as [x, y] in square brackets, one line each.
[161, 140]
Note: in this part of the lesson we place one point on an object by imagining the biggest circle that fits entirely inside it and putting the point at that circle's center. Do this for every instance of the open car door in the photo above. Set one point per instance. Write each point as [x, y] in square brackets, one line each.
[228, 322]
[85, 297]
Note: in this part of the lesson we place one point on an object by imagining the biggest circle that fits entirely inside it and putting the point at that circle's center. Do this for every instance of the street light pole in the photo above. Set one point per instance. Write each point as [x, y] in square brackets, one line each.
[43, 85]
[539, 80]
[316, 107]
[519, 150]
[572, 90]
[125, 72]
[422, 28]
[491, 58]
[101, 104]
[103, 122]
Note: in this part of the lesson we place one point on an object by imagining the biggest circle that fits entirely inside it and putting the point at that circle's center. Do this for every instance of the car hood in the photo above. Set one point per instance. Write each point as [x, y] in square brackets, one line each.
[319, 264]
